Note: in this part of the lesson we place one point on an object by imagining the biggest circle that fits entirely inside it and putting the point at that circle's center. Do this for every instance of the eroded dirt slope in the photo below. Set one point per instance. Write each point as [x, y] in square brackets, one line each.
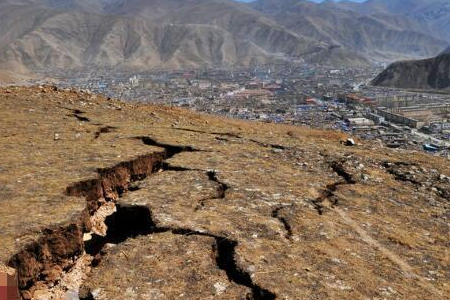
[105, 200]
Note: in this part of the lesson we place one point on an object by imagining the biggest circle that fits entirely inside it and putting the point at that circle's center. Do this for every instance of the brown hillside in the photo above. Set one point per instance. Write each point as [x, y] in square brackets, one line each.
[105, 200]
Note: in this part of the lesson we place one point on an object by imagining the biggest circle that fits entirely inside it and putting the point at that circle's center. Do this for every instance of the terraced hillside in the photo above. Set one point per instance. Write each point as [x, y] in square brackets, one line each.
[101, 199]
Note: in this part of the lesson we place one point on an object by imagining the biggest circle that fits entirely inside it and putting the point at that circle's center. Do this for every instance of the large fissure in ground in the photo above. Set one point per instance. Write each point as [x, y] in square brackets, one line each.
[329, 193]
[283, 220]
[132, 221]
[58, 249]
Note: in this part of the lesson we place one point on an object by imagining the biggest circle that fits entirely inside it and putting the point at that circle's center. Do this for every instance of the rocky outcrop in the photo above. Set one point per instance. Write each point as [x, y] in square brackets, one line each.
[433, 73]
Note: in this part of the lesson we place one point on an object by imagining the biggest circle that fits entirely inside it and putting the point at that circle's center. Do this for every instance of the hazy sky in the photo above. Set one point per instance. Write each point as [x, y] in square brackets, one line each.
[309, 0]
[339, 0]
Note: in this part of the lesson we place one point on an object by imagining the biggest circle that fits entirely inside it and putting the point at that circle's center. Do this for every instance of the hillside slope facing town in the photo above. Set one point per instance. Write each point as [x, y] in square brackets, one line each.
[106, 200]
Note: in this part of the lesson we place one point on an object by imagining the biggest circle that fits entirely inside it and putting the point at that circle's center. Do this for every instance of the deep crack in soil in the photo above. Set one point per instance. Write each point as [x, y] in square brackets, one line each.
[76, 113]
[80, 118]
[212, 176]
[283, 220]
[133, 221]
[395, 170]
[329, 193]
[102, 130]
[221, 137]
[266, 145]
[229, 134]
[171, 150]
[59, 248]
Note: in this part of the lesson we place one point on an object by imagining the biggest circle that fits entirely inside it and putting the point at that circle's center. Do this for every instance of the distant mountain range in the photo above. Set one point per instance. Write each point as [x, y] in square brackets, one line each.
[429, 16]
[174, 34]
[377, 37]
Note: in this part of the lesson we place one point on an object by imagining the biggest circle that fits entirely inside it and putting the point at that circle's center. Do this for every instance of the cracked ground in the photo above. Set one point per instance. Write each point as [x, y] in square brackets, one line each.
[101, 199]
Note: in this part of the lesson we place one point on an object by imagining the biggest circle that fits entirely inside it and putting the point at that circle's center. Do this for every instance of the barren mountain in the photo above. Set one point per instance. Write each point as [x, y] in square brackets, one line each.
[108, 200]
[174, 34]
[405, 7]
[380, 37]
[75, 39]
[433, 73]
[447, 50]
[432, 15]
[387, 6]
[47, 34]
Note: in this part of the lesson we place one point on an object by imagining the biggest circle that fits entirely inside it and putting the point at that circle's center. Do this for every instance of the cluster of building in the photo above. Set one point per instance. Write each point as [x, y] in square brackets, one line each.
[315, 96]
[404, 119]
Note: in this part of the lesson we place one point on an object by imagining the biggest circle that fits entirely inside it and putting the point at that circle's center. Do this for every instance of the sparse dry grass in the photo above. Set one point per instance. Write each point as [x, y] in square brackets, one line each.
[377, 239]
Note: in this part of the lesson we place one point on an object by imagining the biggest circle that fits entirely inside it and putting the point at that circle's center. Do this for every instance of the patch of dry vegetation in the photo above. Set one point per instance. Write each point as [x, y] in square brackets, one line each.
[301, 216]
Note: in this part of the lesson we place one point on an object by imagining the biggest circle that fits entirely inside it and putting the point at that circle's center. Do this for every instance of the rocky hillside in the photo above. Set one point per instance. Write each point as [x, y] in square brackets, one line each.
[433, 73]
[106, 200]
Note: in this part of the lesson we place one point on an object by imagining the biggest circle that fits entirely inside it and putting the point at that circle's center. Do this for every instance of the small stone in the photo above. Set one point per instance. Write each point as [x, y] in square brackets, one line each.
[41, 295]
[220, 287]
[26, 295]
[390, 290]
[71, 295]
[350, 142]
[336, 260]
[87, 237]
[95, 293]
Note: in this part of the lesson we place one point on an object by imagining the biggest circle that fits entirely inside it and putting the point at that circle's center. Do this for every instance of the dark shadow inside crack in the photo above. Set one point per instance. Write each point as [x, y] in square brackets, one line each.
[225, 258]
[126, 222]
[171, 150]
[223, 187]
[329, 193]
[102, 130]
[283, 220]
[133, 221]
[80, 118]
